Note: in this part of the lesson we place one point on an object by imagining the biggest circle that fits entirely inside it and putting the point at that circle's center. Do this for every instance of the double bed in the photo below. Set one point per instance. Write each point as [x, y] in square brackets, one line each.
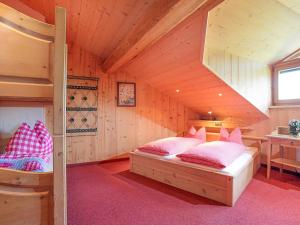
[222, 185]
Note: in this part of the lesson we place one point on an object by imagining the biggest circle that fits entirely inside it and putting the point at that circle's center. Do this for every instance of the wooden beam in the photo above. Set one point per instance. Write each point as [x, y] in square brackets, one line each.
[59, 109]
[161, 18]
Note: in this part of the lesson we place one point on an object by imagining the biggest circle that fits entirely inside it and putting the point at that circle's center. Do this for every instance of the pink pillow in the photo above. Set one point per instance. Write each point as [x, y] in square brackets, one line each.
[36, 141]
[217, 154]
[170, 146]
[45, 137]
[191, 132]
[235, 136]
[201, 133]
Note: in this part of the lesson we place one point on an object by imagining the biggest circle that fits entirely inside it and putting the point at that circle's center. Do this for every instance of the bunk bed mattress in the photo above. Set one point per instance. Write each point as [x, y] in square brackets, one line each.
[234, 168]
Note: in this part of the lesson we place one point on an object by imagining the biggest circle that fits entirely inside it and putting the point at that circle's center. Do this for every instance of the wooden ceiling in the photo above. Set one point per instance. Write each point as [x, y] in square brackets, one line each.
[265, 30]
[291, 4]
[96, 25]
[261, 30]
[117, 30]
[174, 63]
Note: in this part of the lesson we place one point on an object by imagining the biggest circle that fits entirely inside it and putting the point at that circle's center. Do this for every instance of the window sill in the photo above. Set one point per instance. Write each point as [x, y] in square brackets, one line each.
[284, 106]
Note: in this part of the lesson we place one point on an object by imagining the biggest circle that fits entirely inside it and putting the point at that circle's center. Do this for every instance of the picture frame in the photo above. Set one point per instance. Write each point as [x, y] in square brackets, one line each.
[126, 94]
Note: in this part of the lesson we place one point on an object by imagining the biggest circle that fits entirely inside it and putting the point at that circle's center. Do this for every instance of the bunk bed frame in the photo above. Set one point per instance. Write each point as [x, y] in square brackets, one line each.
[33, 71]
[212, 184]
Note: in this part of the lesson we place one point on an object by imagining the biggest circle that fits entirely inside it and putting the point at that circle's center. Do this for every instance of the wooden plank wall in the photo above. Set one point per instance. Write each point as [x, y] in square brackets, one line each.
[279, 116]
[122, 129]
[243, 75]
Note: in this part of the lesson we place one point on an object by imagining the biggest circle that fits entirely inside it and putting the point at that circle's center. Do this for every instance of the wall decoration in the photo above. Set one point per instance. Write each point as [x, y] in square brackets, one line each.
[126, 94]
[82, 101]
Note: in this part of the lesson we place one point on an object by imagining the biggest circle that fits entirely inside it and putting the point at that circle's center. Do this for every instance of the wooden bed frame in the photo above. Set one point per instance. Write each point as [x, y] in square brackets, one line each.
[211, 184]
[33, 72]
[26, 196]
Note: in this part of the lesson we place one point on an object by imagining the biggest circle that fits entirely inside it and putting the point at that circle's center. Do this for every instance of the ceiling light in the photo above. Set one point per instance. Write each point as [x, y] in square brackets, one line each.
[220, 94]
[209, 112]
[177, 90]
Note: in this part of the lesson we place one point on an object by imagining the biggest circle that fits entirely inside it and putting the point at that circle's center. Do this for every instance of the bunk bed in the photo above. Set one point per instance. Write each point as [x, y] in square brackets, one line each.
[33, 71]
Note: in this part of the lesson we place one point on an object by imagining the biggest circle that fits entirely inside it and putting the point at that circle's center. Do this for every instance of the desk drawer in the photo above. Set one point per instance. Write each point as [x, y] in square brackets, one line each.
[286, 142]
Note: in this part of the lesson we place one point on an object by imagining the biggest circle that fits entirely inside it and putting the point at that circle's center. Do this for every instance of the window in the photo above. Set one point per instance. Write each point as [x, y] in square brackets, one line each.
[289, 84]
[286, 84]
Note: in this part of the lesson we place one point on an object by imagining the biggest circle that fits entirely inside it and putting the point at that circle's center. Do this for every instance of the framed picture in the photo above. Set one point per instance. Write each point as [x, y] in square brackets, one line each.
[126, 94]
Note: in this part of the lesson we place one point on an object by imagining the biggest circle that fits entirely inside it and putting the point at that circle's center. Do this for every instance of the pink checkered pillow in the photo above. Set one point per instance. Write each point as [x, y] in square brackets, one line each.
[35, 142]
[44, 137]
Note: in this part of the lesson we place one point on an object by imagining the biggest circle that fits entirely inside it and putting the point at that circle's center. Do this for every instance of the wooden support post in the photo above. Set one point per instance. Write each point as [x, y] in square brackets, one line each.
[269, 153]
[281, 156]
[59, 108]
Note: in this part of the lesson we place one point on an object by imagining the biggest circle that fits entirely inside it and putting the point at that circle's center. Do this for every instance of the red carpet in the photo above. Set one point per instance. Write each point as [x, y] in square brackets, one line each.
[108, 194]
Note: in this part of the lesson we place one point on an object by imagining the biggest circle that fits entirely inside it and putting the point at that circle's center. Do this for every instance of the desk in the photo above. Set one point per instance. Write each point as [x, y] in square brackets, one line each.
[283, 141]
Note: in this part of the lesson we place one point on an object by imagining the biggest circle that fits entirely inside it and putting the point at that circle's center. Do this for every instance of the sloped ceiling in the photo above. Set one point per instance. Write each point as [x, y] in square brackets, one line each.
[96, 25]
[263, 30]
[260, 30]
[174, 63]
[291, 4]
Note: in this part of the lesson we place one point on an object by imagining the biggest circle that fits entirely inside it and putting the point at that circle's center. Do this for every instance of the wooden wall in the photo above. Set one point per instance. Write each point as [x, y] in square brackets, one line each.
[122, 129]
[279, 116]
[242, 74]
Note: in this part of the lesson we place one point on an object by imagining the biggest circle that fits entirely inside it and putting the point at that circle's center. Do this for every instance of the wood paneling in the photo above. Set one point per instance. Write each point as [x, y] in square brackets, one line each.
[175, 63]
[243, 75]
[97, 25]
[279, 116]
[161, 17]
[248, 28]
[291, 4]
[122, 129]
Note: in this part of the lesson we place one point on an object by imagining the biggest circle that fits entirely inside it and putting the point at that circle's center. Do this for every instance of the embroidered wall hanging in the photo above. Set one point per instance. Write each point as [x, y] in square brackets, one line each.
[82, 101]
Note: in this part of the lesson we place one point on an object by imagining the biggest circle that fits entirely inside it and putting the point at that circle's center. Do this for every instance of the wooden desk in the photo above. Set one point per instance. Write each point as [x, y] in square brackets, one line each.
[283, 141]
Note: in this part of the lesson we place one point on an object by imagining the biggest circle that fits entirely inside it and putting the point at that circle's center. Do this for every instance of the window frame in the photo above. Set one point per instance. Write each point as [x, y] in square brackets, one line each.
[293, 64]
